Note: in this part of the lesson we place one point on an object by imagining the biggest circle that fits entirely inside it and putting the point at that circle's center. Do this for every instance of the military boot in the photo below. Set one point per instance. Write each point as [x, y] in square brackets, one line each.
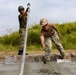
[21, 52]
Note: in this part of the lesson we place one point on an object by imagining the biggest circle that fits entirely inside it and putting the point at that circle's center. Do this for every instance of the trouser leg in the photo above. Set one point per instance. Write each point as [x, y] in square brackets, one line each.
[56, 40]
[48, 45]
[21, 40]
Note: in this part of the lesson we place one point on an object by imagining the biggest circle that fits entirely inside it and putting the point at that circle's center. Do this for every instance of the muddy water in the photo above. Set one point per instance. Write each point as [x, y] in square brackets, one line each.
[51, 68]
[10, 65]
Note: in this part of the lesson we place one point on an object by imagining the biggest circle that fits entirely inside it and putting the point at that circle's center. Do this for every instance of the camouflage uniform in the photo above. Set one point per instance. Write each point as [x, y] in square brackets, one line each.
[54, 38]
[50, 35]
[22, 37]
[23, 23]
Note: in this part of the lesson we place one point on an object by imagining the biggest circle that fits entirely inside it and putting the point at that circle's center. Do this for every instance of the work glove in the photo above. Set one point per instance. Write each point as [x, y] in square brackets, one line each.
[28, 9]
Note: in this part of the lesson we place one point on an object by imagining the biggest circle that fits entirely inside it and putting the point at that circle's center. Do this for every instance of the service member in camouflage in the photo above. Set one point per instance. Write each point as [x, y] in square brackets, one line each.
[47, 35]
[22, 25]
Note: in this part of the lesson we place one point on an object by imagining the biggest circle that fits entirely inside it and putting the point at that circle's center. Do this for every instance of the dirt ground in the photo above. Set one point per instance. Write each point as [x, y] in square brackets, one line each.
[35, 66]
[4, 53]
[51, 68]
[35, 52]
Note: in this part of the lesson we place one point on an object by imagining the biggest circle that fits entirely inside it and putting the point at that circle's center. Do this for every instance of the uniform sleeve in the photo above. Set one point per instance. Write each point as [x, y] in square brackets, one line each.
[52, 25]
[41, 33]
[19, 19]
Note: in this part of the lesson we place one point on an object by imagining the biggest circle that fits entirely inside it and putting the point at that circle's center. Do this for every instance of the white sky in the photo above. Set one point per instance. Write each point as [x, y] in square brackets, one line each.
[56, 11]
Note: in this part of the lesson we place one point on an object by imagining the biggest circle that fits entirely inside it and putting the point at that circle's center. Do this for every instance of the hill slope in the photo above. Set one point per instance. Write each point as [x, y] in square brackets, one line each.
[68, 36]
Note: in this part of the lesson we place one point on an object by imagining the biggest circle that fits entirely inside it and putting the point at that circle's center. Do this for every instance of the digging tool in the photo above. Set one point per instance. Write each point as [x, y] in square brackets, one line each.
[25, 42]
[71, 54]
[73, 57]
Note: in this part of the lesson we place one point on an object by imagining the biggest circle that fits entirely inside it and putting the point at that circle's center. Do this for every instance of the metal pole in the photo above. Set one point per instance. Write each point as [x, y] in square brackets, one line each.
[25, 44]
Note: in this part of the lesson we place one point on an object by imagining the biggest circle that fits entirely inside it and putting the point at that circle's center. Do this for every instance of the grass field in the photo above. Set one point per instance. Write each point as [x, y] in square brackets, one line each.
[68, 38]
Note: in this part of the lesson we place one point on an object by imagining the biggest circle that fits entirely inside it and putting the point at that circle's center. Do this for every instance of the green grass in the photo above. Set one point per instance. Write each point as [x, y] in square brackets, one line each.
[68, 38]
[8, 48]
[34, 47]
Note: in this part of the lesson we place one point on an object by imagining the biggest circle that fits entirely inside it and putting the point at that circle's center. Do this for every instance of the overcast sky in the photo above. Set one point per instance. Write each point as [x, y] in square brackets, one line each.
[56, 11]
